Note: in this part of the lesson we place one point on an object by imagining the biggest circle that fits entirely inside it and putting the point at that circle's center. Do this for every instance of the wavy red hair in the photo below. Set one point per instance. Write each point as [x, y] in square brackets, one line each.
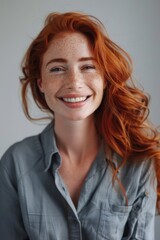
[122, 116]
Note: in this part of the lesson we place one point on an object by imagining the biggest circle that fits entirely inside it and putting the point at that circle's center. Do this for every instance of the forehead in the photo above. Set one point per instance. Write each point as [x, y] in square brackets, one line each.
[69, 43]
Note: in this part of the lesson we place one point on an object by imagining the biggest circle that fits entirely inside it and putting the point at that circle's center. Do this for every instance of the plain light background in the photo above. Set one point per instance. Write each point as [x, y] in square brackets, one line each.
[134, 25]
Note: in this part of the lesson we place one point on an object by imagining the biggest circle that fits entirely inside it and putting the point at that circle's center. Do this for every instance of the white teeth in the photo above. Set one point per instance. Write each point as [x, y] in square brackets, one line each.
[77, 99]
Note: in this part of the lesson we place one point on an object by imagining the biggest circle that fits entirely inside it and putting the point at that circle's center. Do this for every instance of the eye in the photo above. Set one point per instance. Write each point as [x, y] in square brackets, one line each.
[88, 67]
[56, 69]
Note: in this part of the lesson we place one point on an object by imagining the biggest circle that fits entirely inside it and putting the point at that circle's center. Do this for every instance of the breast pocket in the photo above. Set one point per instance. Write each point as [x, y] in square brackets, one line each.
[136, 225]
[112, 222]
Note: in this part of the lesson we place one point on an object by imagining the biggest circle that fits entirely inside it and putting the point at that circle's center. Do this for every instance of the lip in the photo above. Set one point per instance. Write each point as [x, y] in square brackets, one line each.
[74, 104]
[73, 95]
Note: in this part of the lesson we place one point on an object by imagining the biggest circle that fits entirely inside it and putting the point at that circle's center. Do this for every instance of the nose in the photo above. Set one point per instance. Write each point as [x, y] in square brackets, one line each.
[74, 79]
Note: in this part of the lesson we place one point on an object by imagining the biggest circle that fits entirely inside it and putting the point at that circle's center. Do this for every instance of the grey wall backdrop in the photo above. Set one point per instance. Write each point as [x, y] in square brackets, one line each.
[133, 24]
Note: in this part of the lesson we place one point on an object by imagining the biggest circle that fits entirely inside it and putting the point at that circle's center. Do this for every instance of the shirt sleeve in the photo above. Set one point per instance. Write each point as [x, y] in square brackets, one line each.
[141, 221]
[11, 222]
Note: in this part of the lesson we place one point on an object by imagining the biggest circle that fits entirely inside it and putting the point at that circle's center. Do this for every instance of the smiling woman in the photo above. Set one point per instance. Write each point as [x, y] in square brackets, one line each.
[93, 173]
[72, 82]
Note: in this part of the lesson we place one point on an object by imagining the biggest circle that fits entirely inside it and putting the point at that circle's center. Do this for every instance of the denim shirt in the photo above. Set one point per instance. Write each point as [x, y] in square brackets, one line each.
[35, 203]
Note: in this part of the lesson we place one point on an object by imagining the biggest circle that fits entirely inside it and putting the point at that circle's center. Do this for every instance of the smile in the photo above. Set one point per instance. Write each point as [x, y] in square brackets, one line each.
[74, 100]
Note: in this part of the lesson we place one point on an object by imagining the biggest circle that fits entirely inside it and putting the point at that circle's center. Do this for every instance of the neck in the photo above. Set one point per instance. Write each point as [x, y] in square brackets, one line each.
[76, 139]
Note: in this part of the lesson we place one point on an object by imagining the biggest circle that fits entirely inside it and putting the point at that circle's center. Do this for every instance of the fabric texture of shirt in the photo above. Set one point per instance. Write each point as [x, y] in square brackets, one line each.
[35, 203]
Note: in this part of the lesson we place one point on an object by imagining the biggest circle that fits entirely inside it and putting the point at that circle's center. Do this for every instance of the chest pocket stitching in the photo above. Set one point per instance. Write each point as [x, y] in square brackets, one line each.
[109, 228]
[111, 215]
[115, 208]
[135, 220]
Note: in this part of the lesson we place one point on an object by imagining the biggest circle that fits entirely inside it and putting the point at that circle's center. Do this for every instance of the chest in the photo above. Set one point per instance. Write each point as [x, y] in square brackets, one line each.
[74, 178]
[46, 212]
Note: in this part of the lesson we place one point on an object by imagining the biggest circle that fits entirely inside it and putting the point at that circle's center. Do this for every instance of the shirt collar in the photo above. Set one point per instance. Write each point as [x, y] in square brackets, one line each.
[49, 146]
[48, 141]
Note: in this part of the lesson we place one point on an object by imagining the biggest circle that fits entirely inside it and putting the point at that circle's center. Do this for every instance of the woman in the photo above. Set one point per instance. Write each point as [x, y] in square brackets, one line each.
[91, 173]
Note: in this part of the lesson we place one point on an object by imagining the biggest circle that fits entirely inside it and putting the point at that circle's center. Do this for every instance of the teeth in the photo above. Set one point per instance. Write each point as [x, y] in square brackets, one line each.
[77, 99]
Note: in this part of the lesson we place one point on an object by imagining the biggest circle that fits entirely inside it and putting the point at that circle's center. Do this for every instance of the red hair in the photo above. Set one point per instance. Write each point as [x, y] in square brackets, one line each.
[122, 116]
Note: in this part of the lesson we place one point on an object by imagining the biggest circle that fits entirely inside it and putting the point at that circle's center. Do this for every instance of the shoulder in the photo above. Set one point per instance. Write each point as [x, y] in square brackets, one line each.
[135, 178]
[28, 153]
[134, 166]
[136, 173]
[29, 145]
[21, 156]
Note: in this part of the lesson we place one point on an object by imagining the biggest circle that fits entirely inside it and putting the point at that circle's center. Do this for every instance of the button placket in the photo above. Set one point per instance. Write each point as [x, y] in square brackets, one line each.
[75, 232]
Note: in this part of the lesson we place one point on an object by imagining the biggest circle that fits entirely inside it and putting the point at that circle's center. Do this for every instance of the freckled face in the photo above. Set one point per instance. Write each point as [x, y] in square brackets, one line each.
[70, 77]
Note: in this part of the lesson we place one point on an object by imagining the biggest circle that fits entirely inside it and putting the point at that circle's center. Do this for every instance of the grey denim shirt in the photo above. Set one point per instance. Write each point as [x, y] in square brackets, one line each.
[35, 203]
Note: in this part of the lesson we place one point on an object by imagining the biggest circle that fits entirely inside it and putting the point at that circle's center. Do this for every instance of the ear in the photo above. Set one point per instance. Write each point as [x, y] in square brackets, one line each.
[40, 85]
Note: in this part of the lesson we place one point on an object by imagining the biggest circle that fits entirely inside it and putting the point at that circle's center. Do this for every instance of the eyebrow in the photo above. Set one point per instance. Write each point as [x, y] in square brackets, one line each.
[63, 60]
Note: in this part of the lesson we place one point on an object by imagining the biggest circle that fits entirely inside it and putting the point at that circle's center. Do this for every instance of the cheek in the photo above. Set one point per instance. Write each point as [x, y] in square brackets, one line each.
[98, 86]
[48, 92]
[100, 92]
[50, 100]
[49, 95]
[49, 87]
